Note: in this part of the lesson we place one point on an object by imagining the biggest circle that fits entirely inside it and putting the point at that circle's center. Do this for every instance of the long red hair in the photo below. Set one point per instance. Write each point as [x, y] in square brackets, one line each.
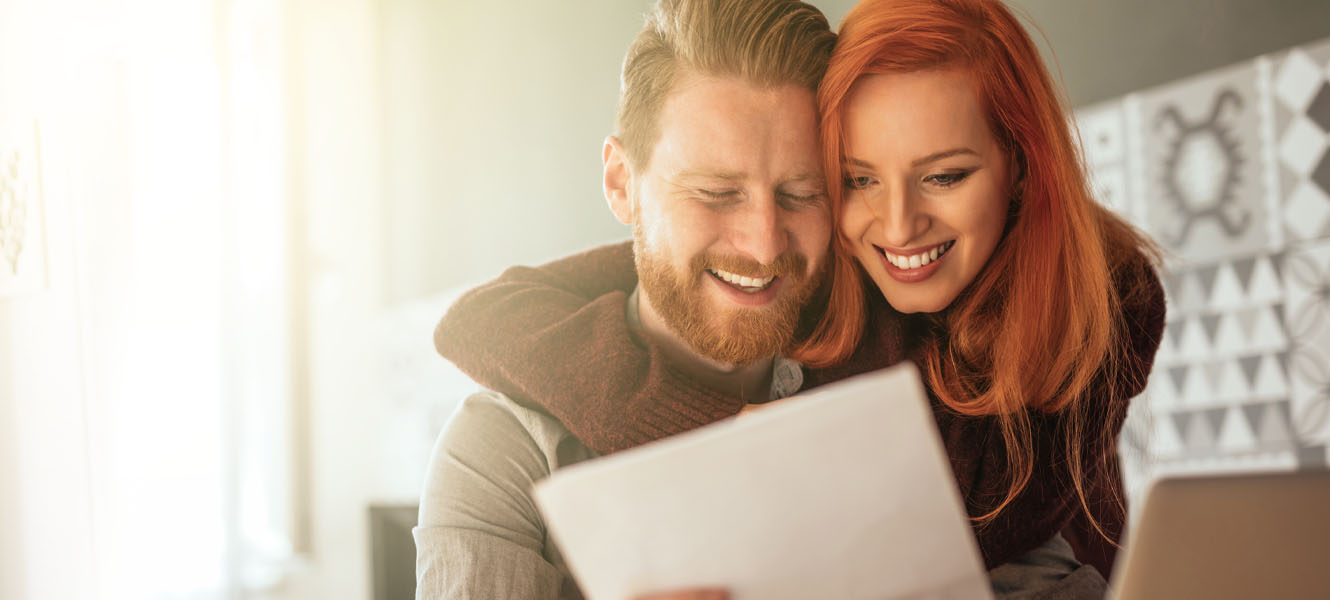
[1042, 320]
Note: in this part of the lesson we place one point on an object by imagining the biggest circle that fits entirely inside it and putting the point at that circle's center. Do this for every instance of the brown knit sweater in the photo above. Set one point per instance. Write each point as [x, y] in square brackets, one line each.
[556, 337]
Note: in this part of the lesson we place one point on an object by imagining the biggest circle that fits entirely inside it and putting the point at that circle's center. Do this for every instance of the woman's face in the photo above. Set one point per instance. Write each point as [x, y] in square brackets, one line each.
[926, 185]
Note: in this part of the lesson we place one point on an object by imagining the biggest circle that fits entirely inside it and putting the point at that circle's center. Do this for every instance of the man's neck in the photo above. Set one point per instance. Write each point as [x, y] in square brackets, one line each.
[751, 382]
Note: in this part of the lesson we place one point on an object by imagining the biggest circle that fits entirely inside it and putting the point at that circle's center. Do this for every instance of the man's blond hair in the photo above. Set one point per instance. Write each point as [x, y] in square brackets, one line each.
[766, 42]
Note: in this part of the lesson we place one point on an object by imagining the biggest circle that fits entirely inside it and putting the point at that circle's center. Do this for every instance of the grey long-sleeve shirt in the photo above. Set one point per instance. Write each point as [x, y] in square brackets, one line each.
[480, 534]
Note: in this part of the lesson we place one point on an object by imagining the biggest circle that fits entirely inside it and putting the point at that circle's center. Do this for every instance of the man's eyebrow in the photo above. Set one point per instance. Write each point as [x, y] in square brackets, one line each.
[801, 177]
[709, 174]
[806, 176]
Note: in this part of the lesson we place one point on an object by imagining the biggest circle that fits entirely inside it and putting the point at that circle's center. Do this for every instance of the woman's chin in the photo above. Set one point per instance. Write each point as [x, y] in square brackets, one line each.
[913, 291]
[911, 309]
[916, 301]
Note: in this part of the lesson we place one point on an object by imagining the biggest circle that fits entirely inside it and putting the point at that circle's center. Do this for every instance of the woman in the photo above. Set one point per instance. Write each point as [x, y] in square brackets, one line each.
[1033, 313]
[965, 203]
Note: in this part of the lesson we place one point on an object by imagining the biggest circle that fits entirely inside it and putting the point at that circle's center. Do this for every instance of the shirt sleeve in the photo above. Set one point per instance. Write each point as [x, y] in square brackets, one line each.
[480, 535]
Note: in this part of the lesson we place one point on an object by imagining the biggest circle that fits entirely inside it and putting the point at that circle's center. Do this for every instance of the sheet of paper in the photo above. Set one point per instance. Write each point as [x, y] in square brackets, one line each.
[843, 492]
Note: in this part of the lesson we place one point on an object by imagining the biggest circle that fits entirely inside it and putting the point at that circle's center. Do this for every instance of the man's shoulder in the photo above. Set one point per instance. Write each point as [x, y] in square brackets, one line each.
[491, 407]
[493, 450]
[502, 427]
[480, 533]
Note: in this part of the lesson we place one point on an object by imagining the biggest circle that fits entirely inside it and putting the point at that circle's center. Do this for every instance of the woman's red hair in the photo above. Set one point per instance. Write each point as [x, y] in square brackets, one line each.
[1042, 320]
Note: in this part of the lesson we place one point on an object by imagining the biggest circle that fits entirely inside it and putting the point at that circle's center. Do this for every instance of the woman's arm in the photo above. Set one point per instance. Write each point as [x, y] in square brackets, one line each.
[557, 337]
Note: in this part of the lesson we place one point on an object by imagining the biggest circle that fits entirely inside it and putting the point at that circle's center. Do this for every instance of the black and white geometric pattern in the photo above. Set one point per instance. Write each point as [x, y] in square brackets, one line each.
[1308, 269]
[1204, 190]
[1230, 172]
[1104, 137]
[1302, 115]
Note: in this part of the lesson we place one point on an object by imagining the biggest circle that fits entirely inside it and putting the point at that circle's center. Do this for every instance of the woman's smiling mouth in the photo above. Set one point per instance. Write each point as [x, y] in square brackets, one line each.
[914, 266]
[917, 260]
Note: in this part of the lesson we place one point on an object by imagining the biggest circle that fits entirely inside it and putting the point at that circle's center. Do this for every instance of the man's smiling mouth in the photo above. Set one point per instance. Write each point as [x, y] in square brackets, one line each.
[747, 284]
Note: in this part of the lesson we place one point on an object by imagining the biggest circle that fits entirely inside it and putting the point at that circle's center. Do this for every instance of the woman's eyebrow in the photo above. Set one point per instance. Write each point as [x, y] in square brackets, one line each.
[936, 156]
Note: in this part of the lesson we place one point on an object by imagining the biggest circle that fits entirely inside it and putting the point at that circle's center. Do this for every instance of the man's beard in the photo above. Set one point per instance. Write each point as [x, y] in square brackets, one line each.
[739, 335]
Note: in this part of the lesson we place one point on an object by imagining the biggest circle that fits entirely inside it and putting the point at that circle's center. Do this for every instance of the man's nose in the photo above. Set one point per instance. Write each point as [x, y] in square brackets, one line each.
[760, 232]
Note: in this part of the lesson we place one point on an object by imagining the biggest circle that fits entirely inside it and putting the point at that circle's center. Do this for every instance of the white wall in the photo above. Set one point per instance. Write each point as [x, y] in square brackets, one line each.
[335, 121]
[49, 547]
[118, 430]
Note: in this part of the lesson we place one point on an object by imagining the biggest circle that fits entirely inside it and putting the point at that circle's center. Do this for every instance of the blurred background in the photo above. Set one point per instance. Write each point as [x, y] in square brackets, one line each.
[227, 228]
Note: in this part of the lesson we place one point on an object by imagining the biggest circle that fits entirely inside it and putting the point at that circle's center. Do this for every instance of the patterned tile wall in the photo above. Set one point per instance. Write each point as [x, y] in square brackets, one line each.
[1230, 172]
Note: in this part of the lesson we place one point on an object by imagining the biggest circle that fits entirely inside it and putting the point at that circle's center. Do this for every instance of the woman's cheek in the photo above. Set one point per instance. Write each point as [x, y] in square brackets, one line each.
[855, 219]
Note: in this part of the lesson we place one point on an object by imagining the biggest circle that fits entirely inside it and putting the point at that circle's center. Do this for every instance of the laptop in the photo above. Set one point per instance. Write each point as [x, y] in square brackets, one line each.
[1230, 536]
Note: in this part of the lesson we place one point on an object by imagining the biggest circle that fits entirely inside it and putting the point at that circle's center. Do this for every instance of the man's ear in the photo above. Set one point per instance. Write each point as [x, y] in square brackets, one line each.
[618, 180]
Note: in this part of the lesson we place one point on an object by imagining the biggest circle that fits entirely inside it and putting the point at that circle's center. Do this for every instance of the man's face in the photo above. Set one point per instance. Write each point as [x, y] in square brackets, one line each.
[731, 225]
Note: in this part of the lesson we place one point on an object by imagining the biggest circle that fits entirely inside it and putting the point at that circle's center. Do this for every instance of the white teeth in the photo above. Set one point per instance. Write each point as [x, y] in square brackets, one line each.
[919, 260]
[741, 281]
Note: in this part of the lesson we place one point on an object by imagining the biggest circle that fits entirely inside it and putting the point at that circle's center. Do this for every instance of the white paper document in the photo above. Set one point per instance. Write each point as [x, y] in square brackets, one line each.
[843, 492]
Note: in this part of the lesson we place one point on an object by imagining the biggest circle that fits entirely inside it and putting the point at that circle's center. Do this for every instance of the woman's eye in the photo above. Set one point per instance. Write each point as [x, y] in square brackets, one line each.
[859, 182]
[948, 179]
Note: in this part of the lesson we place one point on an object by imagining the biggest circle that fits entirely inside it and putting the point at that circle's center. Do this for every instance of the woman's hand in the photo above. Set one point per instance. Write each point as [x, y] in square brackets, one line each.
[689, 594]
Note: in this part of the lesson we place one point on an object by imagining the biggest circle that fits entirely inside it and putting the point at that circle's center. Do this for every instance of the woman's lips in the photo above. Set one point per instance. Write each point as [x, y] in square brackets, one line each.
[918, 274]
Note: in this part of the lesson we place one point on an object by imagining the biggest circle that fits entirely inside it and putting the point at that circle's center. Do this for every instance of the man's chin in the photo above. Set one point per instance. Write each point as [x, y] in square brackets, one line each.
[744, 336]
[715, 321]
[734, 353]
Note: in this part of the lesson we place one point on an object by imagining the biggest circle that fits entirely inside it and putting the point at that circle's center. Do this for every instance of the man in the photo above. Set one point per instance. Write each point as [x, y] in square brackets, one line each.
[715, 166]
